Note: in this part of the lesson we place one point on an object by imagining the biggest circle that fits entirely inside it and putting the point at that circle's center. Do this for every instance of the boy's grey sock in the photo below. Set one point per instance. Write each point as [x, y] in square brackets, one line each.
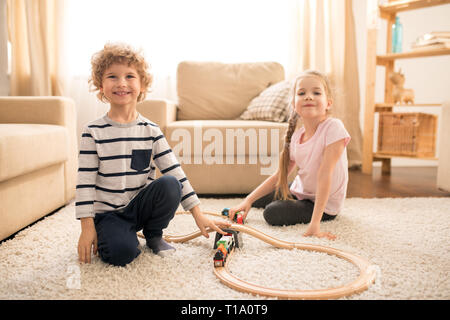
[159, 246]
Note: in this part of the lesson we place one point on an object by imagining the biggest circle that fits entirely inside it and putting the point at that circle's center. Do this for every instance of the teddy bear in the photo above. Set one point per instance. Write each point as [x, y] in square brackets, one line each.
[400, 94]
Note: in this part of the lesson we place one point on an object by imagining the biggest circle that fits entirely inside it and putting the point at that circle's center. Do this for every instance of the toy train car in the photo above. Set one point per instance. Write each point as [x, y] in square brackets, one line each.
[224, 246]
[238, 217]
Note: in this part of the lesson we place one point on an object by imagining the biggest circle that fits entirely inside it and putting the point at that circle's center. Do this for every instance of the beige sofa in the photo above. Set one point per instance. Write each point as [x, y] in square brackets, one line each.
[38, 159]
[220, 154]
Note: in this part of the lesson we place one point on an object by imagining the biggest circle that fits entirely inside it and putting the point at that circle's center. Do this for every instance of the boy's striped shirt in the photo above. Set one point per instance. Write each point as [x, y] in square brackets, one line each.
[118, 160]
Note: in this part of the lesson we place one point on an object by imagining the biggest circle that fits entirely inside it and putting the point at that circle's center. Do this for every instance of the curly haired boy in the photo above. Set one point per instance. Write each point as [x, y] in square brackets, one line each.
[117, 191]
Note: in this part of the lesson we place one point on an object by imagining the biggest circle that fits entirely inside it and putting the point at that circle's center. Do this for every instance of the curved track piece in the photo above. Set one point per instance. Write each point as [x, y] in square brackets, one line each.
[365, 278]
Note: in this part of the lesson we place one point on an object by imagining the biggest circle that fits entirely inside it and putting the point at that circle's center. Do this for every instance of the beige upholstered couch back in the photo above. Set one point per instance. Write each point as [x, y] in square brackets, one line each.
[220, 91]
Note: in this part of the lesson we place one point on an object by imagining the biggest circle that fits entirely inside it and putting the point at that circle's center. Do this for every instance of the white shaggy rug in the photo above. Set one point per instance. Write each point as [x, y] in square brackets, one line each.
[407, 240]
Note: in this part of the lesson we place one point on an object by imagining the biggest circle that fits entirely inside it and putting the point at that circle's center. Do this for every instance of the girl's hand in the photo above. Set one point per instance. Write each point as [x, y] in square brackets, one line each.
[314, 230]
[243, 206]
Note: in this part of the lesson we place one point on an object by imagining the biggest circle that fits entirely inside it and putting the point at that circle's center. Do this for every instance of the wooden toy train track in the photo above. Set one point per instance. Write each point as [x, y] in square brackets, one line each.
[362, 282]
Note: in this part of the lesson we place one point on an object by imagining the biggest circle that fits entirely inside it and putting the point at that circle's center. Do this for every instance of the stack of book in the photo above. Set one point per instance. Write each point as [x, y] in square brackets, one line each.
[433, 40]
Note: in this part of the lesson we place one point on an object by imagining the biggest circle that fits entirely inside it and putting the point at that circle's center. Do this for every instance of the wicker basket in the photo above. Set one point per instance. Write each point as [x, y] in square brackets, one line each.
[407, 134]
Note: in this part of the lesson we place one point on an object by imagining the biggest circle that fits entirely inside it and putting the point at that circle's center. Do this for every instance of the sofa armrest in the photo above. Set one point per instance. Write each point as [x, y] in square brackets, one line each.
[160, 111]
[47, 110]
[40, 110]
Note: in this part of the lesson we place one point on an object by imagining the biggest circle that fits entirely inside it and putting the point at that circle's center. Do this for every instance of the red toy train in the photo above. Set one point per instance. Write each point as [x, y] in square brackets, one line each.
[225, 244]
[238, 217]
[224, 247]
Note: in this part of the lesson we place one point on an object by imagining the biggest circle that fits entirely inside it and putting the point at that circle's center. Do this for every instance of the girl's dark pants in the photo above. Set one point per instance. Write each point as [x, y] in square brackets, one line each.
[287, 212]
[151, 211]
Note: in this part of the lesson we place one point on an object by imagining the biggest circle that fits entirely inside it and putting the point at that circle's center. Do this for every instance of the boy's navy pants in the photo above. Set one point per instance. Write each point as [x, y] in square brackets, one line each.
[151, 211]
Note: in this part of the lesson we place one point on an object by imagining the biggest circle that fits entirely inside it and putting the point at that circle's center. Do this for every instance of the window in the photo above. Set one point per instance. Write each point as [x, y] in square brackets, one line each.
[169, 31]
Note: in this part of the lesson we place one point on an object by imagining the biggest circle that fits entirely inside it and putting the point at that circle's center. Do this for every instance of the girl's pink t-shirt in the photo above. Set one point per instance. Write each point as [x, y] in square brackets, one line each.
[308, 157]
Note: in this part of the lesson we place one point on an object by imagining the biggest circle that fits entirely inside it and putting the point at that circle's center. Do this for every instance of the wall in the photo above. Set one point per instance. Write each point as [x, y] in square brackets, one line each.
[428, 77]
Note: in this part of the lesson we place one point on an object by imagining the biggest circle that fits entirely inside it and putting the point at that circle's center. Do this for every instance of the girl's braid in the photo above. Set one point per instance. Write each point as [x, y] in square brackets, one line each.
[282, 189]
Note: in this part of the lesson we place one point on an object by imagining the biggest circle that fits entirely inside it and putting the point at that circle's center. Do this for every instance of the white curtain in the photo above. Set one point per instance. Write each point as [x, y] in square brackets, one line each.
[36, 42]
[324, 39]
[4, 83]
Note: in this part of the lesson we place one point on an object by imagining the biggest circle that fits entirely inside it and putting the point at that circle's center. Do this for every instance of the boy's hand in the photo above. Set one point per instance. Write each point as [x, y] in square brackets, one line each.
[87, 241]
[203, 222]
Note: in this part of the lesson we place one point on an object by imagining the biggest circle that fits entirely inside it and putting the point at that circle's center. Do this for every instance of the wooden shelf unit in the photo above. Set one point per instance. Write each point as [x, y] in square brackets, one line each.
[388, 11]
[380, 107]
[419, 53]
[393, 7]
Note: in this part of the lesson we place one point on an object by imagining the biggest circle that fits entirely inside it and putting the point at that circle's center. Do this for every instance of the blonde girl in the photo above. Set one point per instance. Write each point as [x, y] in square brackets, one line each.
[318, 149]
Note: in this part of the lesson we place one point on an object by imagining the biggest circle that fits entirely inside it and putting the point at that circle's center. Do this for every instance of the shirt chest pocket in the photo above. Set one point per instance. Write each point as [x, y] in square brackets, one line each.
[140, 159]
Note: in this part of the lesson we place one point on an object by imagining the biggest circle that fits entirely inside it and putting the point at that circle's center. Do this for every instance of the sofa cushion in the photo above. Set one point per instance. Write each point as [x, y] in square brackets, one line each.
[271, 105]
[28, 147]
[214, 90]
[218, 137]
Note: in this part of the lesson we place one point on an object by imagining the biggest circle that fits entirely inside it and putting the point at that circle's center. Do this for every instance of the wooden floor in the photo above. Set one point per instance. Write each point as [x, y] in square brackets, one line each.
[402, 182]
